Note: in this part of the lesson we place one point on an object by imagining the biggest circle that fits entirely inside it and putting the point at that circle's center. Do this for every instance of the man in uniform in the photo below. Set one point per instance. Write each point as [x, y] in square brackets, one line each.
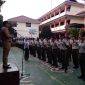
[7, 39]
[82, 56]
[54, 54]
[26, 48]
[75, 53]
[49, 52]
[43, 51]
[38, 49]
[64, 56]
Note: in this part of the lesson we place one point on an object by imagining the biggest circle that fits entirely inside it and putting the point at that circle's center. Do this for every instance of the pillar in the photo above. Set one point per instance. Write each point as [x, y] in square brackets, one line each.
[65, 8]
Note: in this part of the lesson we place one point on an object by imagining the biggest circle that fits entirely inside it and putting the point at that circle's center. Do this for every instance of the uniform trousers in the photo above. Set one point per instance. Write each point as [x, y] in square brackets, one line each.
[55, 57]
[43, 53]
[26, 56]
[39, 52]
[75, 57]
[49, 55]
[82, 64]
[64, 59]
[6, 49]
[34, 51]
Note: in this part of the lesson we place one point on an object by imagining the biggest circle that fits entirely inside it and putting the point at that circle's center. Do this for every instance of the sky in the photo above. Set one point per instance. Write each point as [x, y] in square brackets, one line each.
[30, 8]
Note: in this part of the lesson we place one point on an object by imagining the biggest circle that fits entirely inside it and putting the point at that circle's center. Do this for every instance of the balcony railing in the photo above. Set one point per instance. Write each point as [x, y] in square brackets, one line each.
[53, 18]
[55, 29]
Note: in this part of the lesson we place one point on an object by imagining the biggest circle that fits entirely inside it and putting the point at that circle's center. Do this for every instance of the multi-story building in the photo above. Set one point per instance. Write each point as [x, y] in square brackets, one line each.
[68, 14]
[62, 16]
[25, 26]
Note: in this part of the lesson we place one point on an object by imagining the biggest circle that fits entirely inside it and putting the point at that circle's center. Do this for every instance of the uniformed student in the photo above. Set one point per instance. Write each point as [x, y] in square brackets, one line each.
[68, 46]
[58, 50]
[30, 46]
[26, 46]
[33, 48]
[7, 39]
[38, 49]
[75, 53]
[54, 54]
[43, 51]
[49, 52]
[64, 59]
[82, 56]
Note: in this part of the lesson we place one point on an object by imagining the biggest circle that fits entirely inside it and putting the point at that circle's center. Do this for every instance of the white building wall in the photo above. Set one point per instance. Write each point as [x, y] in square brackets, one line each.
[23, 31]
[77, 20]
[75, 9]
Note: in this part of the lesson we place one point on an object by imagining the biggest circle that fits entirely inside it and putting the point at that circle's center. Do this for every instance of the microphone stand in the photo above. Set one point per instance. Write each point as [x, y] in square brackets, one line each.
[23, 75]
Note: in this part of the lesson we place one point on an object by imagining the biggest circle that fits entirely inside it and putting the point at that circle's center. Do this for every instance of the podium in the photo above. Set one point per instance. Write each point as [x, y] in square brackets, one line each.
[9, 76]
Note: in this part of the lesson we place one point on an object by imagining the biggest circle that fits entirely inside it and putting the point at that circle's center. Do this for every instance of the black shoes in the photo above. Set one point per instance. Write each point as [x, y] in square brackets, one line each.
[6, 66]
[81, 77]
[75, 67]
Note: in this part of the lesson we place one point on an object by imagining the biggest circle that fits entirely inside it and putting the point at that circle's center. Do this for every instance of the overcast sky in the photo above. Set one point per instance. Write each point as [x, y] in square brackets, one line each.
[30, 8]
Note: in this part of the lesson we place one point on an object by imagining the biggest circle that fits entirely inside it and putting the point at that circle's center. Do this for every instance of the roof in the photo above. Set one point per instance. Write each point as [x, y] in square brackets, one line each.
[83, 12]
[24, 19]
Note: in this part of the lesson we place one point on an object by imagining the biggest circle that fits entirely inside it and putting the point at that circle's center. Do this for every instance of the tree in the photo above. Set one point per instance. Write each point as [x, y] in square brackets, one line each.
[1, 2]
[73, 32]
[46, 32]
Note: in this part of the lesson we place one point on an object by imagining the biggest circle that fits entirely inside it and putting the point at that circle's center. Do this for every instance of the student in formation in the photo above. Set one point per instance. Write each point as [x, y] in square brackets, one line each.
[82, 56]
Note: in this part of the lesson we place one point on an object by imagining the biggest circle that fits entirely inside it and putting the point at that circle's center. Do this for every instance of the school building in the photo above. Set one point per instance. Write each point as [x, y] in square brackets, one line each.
[67, 14]
[25, 26]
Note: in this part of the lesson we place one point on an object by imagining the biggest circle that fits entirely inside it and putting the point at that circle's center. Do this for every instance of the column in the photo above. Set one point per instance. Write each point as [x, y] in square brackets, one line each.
[65, 23]
[50, 15]
[46, 17]
[54, 13]
[59, 24]
[65, 8]
[54, 27]
[59, 11]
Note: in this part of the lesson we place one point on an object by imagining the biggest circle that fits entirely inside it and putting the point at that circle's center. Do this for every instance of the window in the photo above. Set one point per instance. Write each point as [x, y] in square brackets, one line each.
[52, 26]
[68, 8]
[28, 24]
[62, 23]
[56, 24]
[52, 15]
[15, 24]
[56, 13]
[62, 11]
[68, 22]
[48, 17]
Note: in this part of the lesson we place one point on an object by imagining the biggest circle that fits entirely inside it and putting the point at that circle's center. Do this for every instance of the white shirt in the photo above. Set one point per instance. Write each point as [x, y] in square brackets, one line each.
[82, 47]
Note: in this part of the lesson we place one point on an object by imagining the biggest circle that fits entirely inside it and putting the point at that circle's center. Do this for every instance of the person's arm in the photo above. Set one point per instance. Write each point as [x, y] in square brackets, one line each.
[7, 33]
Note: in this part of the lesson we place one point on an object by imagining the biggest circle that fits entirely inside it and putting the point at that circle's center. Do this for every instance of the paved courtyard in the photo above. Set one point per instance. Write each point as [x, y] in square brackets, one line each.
[40, 74]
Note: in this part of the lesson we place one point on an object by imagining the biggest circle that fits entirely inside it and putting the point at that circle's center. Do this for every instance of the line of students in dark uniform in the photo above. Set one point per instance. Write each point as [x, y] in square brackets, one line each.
[59, 52]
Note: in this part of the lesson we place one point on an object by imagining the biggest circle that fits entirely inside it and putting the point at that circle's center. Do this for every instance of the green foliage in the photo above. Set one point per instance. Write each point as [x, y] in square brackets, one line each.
[73, 32]
[1, 20]
[81, 30]
[46, 32]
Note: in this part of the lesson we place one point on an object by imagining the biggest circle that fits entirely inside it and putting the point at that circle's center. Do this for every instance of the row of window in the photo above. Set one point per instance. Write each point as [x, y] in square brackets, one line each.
[27, 25]
[61, 23]
[55, 13]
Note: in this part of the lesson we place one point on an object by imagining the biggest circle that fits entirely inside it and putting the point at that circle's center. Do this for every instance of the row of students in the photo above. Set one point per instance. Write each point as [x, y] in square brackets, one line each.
[59, 51]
